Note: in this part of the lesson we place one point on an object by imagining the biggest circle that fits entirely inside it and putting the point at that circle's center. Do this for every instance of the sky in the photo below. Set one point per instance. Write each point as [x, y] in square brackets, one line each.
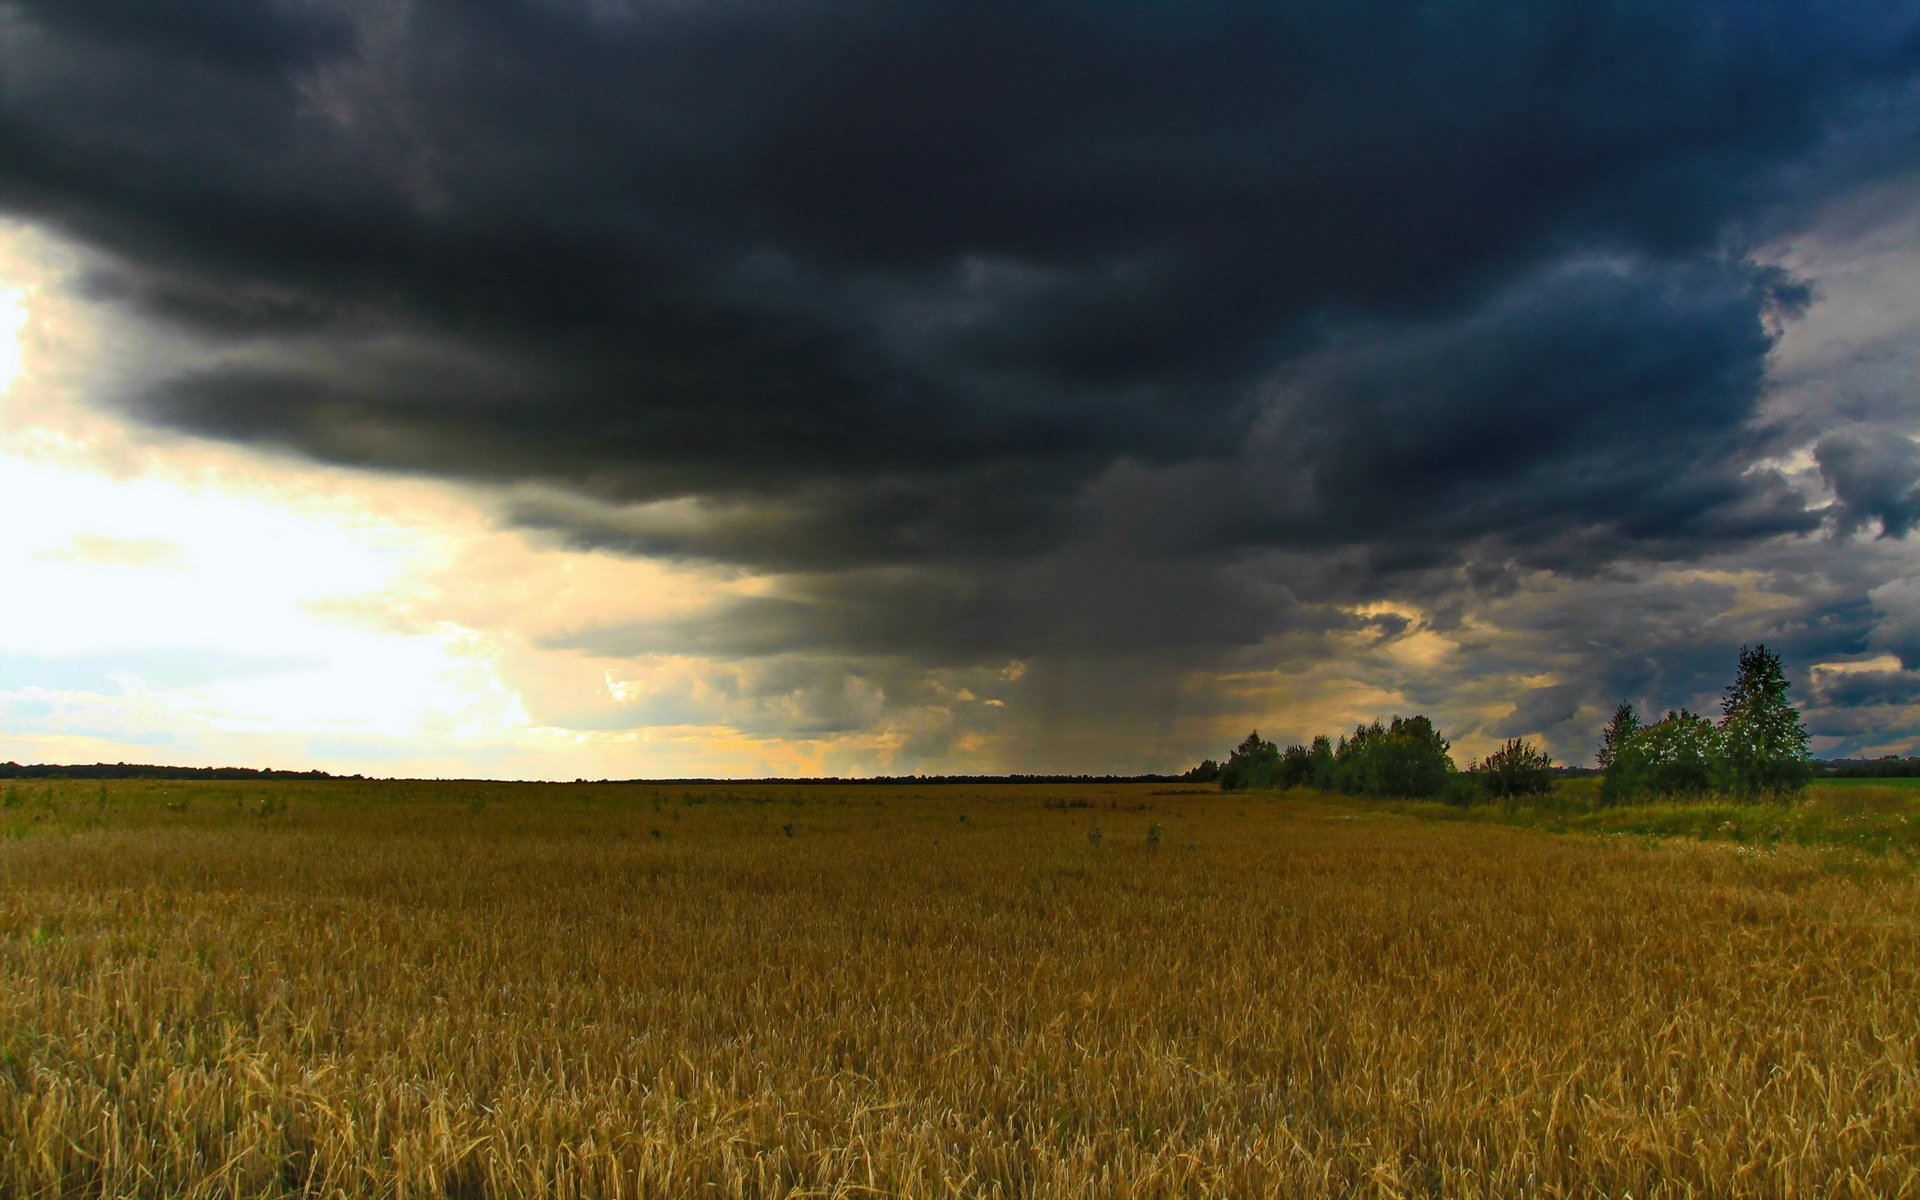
[660, 388]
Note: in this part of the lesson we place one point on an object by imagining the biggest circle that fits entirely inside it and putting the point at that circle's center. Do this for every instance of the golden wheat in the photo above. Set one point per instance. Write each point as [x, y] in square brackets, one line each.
[414, 990]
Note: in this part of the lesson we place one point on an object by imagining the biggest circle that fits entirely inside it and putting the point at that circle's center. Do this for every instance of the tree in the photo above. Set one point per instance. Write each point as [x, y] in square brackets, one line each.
[1613, 742]
[1763, 746]
[1207, 772]
[1296, 766]
[1515, 769]
[1405, 758]
[1254, 763]
[1678, 755]
[1320, 764]
[1624, 725]
[1355, 765]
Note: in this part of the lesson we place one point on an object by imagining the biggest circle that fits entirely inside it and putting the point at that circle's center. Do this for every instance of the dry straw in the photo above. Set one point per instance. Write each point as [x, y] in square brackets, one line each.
[451, 991]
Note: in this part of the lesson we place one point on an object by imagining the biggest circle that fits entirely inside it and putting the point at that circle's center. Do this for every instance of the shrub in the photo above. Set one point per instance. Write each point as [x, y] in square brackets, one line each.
[1462, 791]
[1515, 769]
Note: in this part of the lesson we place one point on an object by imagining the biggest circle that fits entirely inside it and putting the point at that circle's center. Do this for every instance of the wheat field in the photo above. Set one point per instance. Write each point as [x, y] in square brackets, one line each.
[463, 990]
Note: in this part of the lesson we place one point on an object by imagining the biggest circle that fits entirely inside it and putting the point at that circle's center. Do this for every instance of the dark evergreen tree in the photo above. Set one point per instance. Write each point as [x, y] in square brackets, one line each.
[1625, 724]
[1763, 746]
[1613, 741]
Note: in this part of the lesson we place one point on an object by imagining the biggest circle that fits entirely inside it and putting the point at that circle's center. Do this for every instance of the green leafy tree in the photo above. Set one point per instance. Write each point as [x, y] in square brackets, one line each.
[1320, 764]
[1356, 763]
[1207, 772]
[1517, 768]
[1254, 763]
[1296, 767]
[1405, 758]
[1763, 746]
[1678, 755]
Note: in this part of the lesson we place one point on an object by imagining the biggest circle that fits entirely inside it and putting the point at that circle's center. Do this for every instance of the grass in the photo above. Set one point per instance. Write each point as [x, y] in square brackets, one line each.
[1909, 783]
[1875, 816]
[461, 990]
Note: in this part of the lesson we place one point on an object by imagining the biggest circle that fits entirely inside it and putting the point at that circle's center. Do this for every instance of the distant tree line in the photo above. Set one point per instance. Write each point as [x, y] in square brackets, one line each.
[1758, 749]
[1888, 766]
[1405, 757]
[14, 770]
[896, 780]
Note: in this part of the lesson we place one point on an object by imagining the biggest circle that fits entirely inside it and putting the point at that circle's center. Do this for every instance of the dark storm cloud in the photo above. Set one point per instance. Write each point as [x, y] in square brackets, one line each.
[1085, 602]
[1875, 477]
[1603, 404]
[730, 247]
[1854, 689]
[1038, 328]
[262, 37]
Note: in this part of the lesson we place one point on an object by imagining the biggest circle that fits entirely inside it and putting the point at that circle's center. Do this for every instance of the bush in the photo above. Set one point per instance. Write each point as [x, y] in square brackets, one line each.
[1462, 791]
[1515, 769]
[1677, 756]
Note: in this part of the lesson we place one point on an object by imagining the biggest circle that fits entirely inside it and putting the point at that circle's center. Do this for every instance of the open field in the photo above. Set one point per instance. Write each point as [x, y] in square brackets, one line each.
[472, 990]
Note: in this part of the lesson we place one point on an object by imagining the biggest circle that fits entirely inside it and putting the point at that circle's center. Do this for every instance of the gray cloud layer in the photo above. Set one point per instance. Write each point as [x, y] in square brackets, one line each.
[1059, 330]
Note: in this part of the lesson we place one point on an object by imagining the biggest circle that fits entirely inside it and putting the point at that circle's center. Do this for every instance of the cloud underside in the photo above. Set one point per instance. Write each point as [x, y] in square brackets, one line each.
[1008, 331]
